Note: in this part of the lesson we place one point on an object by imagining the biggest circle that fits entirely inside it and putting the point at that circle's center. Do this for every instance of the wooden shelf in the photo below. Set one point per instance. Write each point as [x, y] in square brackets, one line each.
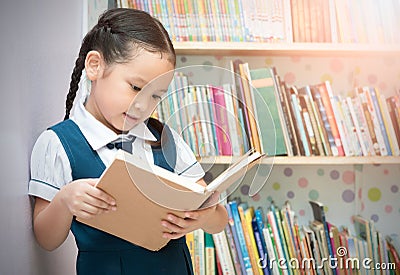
[309, 160]
[283, 49]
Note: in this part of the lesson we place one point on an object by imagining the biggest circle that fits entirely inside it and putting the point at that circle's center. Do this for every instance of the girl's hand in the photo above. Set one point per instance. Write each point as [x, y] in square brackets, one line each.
[84, 200]
[176, 227]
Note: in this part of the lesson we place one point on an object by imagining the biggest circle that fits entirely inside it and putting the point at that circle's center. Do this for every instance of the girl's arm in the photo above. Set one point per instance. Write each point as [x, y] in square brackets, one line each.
[52, 220]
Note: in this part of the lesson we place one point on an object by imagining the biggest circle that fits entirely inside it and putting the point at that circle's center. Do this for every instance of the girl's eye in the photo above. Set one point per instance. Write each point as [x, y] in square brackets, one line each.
[136, 88]
[157, 97]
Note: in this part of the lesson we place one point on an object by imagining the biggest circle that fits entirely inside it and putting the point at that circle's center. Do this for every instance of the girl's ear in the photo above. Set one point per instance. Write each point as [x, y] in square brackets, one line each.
[93, 65]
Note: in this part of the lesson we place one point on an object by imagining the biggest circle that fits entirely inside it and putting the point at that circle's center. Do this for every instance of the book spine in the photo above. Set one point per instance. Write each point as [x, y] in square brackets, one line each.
[333, 151]
[369, 121]
[221, 245]
[243, 247]
[271, 250]
[375, 102]
[209, 254]
[300, 124]
[235, 246]
[326, 90]
[394, 145]
[394, 119]
[247, 236]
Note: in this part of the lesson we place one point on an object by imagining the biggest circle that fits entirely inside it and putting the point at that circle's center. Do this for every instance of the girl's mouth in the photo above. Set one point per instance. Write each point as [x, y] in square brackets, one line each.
[131, 119]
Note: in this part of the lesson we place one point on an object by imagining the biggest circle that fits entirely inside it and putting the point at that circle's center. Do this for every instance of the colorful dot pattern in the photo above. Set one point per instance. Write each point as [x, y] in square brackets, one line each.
[345, 191]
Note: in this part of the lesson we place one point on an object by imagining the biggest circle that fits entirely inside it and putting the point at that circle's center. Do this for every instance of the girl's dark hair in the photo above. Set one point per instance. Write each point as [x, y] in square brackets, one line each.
[117, 33]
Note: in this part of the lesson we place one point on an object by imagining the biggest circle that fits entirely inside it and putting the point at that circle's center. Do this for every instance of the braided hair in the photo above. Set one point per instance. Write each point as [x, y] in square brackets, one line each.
[117, 33]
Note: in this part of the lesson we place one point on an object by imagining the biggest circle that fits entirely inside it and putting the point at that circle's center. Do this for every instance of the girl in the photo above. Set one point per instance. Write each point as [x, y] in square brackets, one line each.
[121, 56]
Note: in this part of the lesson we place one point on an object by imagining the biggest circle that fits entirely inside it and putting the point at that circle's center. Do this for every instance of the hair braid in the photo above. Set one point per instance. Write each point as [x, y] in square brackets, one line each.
[75, 79]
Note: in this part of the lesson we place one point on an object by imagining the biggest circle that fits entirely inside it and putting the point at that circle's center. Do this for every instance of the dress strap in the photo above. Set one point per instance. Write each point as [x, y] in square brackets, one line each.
[84, 161]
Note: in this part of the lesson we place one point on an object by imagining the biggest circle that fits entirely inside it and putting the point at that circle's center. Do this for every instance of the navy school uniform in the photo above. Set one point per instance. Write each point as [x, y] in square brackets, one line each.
[100, 252]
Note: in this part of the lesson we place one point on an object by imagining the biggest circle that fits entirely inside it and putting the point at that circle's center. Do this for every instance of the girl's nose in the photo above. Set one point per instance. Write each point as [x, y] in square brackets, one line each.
[141, 103]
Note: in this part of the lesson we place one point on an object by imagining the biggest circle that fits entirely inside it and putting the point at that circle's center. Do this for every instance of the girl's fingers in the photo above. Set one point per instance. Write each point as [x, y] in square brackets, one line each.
[99, 203]
[101, 195]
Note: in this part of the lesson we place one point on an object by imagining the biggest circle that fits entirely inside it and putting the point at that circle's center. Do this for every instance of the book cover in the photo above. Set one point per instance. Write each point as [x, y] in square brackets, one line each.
[267, 108]
[249, 105]
[146, 193]
[221, 119]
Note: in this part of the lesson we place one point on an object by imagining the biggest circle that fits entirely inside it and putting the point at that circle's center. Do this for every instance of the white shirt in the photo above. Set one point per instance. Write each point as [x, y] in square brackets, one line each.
[50, 166]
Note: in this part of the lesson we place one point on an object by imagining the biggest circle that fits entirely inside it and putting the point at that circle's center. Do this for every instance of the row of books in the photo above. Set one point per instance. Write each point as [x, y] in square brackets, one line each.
[271, 241]
[276, 20]
[258, 110]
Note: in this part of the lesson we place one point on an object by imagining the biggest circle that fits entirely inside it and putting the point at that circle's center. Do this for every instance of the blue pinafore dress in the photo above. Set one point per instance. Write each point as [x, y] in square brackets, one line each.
[102, 253]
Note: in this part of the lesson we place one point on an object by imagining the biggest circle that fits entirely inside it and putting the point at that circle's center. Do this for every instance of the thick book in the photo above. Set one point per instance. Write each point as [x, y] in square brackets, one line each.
[146, 193]
[273, 133]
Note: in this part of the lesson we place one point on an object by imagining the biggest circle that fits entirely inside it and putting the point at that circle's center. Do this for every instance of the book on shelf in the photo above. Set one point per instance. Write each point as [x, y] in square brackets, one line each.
[199, 264]
[304, 144]
[223, 253]
[249, 237]
[273, 135]
[234, 242]
[209, 252]
[241, 237]
[146, 193]
[319, 215]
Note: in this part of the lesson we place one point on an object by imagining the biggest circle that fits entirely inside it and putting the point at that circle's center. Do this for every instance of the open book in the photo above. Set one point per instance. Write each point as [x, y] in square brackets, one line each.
[145, 193]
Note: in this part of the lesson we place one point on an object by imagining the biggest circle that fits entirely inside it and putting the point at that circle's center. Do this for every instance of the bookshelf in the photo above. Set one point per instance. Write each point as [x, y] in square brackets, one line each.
[284, 49]
[312, 160]
[347, 185]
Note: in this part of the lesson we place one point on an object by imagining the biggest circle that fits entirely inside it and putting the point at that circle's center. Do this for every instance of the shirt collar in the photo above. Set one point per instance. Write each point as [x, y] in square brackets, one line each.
[98, 135]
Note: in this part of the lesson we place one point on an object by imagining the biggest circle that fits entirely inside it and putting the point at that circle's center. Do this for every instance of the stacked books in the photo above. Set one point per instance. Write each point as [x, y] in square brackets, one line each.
[257, 109]
[275, 20]
[271, 241]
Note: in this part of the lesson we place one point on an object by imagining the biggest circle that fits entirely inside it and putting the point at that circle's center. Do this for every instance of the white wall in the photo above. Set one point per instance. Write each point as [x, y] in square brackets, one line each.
[39, 42]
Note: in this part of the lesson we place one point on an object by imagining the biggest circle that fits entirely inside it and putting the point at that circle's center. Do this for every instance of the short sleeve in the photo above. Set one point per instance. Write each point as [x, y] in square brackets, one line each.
[50, 167]
[186, 163]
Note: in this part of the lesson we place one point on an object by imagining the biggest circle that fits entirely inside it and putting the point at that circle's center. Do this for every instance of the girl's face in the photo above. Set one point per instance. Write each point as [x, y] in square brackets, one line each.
[123, 95]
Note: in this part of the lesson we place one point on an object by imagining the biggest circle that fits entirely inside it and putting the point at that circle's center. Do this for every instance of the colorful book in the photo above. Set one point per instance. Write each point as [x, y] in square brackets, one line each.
[273, 135]
[249, 237]
[236, 252]
[241, 237]
[209, 251]
[223, 254]
[325, 90]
